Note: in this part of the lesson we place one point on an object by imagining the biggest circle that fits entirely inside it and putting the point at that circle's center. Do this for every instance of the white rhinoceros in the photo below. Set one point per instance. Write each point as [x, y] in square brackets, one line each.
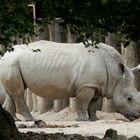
[89, 74]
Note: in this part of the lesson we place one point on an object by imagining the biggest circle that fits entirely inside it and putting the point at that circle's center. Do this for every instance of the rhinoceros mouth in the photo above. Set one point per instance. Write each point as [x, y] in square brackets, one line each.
[132, 116]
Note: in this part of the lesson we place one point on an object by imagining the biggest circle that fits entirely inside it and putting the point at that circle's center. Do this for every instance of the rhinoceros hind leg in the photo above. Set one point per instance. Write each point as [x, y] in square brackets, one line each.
[23, 109]
[9, 105]
[83, 97]
[15, 86]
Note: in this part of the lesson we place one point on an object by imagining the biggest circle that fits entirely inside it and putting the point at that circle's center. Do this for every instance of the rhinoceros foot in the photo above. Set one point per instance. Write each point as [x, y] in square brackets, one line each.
[93, 119]
[82, 118]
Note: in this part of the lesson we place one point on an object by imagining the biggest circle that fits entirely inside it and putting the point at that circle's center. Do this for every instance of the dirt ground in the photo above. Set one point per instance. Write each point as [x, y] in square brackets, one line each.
[64, 122]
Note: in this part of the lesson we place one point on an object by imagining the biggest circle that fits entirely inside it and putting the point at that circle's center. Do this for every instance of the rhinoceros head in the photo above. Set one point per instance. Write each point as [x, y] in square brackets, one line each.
[126, 99]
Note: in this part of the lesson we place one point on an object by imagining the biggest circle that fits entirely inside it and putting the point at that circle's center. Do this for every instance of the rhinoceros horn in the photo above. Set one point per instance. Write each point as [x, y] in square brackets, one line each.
[137, 68]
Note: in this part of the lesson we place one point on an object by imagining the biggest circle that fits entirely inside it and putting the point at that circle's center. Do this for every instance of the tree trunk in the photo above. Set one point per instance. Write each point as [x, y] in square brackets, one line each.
[44, 104]
[111, 40]
[70, 37]
[131, 55]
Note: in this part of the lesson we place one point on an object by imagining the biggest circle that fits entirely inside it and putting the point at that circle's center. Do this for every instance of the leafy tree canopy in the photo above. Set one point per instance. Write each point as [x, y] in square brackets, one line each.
[88, 18]
[15, 21]
[96, 17]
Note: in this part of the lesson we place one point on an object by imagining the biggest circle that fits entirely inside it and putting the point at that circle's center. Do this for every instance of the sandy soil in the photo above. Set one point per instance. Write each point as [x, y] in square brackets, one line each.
[64, 122]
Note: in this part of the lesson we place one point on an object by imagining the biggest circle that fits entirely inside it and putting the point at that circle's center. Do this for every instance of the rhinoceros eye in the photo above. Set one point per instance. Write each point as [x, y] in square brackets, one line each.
[129, 99]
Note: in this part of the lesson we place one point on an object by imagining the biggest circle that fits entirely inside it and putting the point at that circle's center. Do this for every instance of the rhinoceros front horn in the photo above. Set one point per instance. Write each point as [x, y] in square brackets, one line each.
[137, 68]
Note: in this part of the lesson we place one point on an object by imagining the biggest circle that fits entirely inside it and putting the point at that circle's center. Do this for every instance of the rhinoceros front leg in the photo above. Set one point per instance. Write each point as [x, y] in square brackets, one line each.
[94, 105]
[83, 97]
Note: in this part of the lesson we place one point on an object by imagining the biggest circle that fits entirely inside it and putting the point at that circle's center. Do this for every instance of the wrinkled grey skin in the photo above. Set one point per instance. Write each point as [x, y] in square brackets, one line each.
[87, 74]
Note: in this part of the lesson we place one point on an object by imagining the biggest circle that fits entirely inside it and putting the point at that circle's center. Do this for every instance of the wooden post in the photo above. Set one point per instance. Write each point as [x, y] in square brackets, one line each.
[58, 105]
[29, 99]
[44, 104]
[72, 104]
[35, 103]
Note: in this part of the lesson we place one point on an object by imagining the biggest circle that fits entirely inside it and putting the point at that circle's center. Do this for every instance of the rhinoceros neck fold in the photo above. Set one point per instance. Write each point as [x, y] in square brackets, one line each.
[112, 73]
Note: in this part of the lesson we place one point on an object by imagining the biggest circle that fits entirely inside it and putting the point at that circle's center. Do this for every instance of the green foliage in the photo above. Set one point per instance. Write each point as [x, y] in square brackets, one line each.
[88, 18]
[93, 18]
[15, 20]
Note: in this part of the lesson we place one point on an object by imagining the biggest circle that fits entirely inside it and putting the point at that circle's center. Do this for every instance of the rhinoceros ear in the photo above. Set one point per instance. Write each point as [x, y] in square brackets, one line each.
[125, 70]
[122, 68]
[127, 73]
